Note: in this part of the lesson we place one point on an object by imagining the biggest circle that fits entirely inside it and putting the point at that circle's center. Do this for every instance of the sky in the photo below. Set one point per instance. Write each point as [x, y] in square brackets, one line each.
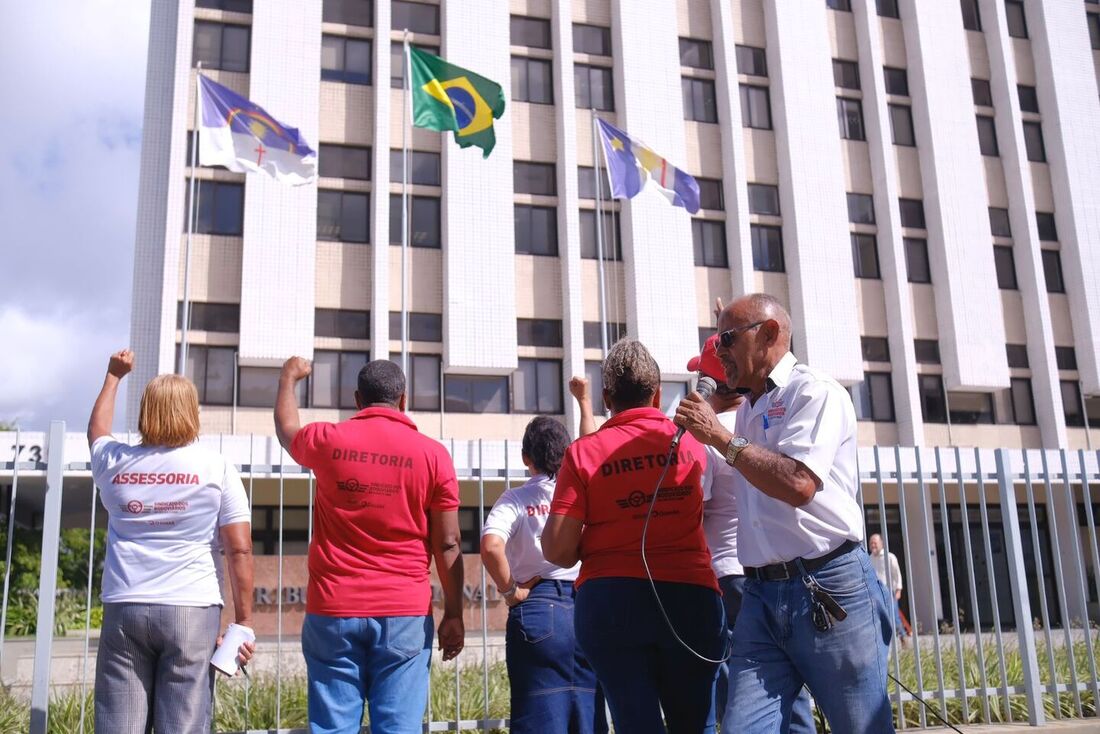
[73, 93]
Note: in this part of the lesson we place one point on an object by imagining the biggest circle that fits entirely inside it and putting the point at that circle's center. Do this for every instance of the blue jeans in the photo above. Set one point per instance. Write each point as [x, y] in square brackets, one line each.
[384, 661]
[554, 689]
[733, 590]
[777, 649]
[641, 666]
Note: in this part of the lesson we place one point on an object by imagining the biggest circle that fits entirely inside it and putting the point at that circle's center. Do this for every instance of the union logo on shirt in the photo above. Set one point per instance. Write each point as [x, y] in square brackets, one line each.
[777, 412]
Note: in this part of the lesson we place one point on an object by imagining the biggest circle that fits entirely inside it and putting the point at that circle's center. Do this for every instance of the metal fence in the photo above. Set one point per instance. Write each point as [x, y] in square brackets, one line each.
[998, 551]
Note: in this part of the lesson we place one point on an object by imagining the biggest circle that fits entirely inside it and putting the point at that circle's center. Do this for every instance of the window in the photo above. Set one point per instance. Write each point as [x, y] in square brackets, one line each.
[397, 61]
[343, 161]
[1017, 21]
[764, 199]
[343, 216]
[1052, 270]
[755, 107]
[999, 223]
[897, 80]
[1033, 141]
[335, 378]
[901, 125]
[971, 408]
[1029, 98]
[211, 369]
[709, 240]
[912, 213]
[469, 526]
[865, 256]
[422, 384]
[591, 39]
[972, 20]
[233, 6]
[534, 178]
[416, 17]
[861, 209]
[593, 87]
[1071, 404]
[916, 260]
[846, 74]
[258, 386]
[1065, 358]
[767, 248]
[345, 60]
[586, 183]
[221, 46]
[875, 348]
[538, 332]
[1048, 231]
[933, 402]
[342, 323]
[1094, 29]
[888, 8]
[220, 207]
[1017, 356]
[1006, 267]
[696, 54]
[849, 114]
[536, 230]
[752, 61]
[205, 316]
[700, 101]
[839, 4]
[532, 80]
[926, 351]
[987, 136]
[710, 193]
[537, 387]
[983, 95]
[475, 394]
[874, 397]
[530, 32]
[423, 221]
[594, 372]
[615, 332]
[423, 326]
[350, 12]
[612, 241]
[424, 167]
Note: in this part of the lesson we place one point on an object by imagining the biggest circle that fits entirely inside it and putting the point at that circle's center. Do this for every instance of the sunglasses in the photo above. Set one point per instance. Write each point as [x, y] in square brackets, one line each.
[727, 338]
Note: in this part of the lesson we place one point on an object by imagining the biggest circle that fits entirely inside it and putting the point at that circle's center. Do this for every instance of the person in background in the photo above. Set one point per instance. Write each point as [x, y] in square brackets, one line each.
[173, 506]
[553, 688]
[600, 504]
[891, 585]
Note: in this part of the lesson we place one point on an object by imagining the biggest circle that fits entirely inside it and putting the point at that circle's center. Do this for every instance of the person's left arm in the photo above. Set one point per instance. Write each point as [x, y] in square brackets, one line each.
[811, 432]
[103, 412]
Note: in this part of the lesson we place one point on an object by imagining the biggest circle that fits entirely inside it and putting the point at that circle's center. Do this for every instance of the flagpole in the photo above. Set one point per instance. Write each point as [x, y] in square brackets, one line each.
[599, 235]
[186, 318]
[405, 207]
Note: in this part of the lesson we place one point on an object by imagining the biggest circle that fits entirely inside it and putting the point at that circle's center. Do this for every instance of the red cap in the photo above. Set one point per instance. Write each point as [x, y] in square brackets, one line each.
[707, 362]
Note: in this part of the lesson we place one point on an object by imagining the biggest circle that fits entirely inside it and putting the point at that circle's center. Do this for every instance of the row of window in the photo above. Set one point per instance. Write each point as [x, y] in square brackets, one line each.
[927, 351]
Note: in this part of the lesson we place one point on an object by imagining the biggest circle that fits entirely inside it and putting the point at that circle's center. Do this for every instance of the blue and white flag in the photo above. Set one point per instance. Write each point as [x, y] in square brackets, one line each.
[243, 137]
[630, 164]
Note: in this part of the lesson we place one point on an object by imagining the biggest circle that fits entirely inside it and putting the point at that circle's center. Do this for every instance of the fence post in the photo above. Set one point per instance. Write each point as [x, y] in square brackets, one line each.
[1017, 580]
[47, 579]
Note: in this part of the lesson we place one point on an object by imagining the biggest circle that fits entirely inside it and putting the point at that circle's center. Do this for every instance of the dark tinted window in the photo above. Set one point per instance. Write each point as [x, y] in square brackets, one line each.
[534, 178]
[220, 207]
[532, 32]
[850, 117]
[221, 46]
[341, 323]
[1071, 404]
[710, 193]
[887, 8]
[916, 260]
[536, 230]
[933, 402]
[865, 256]
[926, 351]
[1029, 98]
[1048, 231]
[696, 54]
[1006, 267]
[901, 125]
[233, 6]
[343, 161]
[350, 12]
[839, 4]
[612, 240]
[999, 223]
[972, 20]
[1065, 358]
[709, 240]
[767, 248]
[532, 80]
[755, 107]
[593, 87]
[912, 213]
[1017, 356]
[875, 348]
[211, 369]
[1094, 30]
[874, 397]
[335, 378]
[591, 39]
[987, 136]
[846, 74]
[1033, 141]
[424, 230]
[475, 394]
[1017, 20]
[751, 60]
[1052, 270]
[343, 216]
[861, 209]
[971, 408]
[592, 337]
[423, 327]
[1023, 401]
[538, 332]
[983, 95]
[424, 167]
[206, 316]
[700, 99]
[586, 183]
[345, 59]
[257, 387]
[416, 17]
[764, 199]
[537, 387]
[897, 80]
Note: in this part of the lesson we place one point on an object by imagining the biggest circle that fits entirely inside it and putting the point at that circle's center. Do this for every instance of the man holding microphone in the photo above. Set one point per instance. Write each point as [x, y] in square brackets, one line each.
[813, 612]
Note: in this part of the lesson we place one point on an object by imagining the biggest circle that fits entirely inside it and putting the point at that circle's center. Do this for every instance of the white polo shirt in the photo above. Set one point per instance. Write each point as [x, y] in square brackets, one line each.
[519, 517]
[720, 509]
[809, 417]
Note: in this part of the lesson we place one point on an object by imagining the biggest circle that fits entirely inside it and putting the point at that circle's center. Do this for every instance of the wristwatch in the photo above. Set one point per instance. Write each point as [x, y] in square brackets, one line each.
[734, 448]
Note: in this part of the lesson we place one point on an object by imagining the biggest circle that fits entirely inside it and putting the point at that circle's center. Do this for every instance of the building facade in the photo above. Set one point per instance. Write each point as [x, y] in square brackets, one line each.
[918, 181]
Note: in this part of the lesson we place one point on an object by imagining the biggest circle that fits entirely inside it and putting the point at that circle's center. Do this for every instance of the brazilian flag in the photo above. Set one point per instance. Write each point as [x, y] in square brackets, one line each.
[448, 97]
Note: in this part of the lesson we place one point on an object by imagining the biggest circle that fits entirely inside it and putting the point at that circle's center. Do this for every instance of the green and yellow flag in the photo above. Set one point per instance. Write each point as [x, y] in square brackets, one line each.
[448, 97]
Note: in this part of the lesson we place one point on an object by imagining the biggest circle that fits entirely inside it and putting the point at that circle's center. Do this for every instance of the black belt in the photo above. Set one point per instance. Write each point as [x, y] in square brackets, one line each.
[790, 569]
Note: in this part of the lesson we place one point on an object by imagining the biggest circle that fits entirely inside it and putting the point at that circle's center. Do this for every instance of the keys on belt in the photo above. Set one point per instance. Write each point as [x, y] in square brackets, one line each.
[826, 608]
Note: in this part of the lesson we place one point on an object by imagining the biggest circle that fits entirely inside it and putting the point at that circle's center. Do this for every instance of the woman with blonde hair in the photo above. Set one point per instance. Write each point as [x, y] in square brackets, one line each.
[173, 506]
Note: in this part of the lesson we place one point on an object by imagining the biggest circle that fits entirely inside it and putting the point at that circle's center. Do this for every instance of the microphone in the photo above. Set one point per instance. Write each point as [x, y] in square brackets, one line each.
[705, 388]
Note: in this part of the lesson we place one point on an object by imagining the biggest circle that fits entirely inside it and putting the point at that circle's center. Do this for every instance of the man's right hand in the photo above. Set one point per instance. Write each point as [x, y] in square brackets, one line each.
[452, 636]
[296, 368]
[121, 363]
[578, 388]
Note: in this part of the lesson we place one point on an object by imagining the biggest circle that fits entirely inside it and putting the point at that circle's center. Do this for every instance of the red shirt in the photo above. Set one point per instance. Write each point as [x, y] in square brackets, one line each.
[377, 478]
[607, 480]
